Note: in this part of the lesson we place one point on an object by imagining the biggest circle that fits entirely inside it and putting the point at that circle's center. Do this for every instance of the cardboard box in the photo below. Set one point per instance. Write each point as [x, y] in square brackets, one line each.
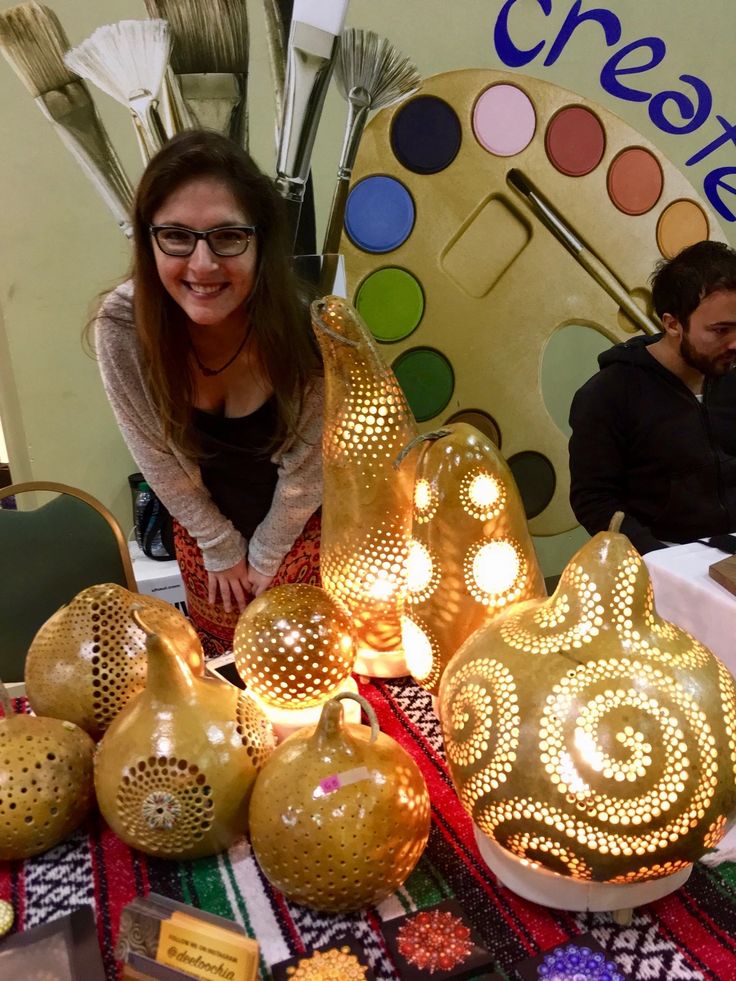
[160, 579]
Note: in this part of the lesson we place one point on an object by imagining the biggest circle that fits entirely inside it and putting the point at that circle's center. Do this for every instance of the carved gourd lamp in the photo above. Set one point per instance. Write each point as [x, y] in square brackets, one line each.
[175, 770]
[593, 744]
[46, 787]
[89, 659]
[340, 813]
[471, 556]
[366, 514]
[294, 648]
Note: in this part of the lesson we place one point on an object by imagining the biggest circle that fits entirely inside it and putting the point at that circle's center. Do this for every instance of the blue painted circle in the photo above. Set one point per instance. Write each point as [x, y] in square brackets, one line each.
[379, 214]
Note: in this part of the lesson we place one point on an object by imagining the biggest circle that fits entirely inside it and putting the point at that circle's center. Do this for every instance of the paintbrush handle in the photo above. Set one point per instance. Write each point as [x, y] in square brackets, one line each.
[358, 107]
[148, 126]
[238, 125]
[174, 110]
[555, 223]
[74, 117]
[293, 206]
[357, 118]
[605, 278]
[333, 233]
[276, 51]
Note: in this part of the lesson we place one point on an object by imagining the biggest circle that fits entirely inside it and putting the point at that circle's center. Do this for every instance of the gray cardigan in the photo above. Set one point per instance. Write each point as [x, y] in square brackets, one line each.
[176, 478]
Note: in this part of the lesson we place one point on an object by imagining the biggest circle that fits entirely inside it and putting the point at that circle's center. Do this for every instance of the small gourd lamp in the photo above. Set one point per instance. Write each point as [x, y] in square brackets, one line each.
[294, 648]
[340, 814]
[89, 659]
[175, 770]
[46, 787]
[471, 556]
[367, 502]
[593, 744]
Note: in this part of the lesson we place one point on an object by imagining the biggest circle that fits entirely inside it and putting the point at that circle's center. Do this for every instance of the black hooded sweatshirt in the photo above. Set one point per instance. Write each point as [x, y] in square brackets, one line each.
[642, 443]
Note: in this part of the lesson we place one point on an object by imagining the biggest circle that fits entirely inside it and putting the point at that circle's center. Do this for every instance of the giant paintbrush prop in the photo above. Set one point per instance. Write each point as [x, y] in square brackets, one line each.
[370, 74]
[209, 57]
[316, 26]
[34, 42]
[127, 60]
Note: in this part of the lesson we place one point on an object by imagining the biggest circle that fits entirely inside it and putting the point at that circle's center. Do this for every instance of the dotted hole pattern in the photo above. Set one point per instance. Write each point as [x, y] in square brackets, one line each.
[45, 789]
[296, 649]
[165, 804]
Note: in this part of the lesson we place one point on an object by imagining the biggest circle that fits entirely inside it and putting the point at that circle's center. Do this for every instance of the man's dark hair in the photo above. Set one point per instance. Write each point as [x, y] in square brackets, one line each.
[679, 285]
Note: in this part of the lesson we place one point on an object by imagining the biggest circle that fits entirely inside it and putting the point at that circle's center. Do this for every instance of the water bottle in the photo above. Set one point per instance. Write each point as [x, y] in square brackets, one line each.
[148, 523]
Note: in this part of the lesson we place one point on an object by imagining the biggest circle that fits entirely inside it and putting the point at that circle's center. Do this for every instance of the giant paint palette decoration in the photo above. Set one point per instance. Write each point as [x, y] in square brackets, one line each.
[464, 285]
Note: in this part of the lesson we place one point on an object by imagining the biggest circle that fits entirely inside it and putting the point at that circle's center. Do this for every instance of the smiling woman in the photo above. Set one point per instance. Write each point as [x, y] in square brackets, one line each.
[208, 362]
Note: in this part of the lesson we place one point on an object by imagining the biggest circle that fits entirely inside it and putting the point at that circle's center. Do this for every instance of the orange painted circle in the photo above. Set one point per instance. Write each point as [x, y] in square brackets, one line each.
[635, 181]
[682, 223]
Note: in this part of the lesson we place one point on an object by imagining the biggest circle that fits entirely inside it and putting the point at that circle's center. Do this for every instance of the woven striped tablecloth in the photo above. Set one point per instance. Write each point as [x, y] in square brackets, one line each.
[690, 934]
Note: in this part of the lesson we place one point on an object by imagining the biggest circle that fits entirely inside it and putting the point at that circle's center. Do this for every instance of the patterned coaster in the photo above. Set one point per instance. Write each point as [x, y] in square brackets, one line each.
[574, 960]
[436, 943]
[342, 960]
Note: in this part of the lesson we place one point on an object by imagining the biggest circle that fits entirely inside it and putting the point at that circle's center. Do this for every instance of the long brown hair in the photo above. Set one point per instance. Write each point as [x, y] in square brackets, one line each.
[279, 320]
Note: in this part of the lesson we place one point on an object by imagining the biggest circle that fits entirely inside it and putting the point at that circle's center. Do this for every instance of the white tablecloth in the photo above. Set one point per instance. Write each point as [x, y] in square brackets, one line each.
[685, 594]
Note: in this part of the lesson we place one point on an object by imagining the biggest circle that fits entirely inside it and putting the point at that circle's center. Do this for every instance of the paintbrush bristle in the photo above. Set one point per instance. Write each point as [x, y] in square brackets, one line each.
[33, 41]
[372, 64]
[124, 58]
[217, 42]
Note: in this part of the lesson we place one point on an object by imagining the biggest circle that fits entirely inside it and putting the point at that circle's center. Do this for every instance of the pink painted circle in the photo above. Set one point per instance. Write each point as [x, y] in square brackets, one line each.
[504, 120]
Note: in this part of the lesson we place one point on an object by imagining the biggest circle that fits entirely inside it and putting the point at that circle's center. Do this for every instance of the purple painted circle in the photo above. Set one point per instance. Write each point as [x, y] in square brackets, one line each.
[504, 120]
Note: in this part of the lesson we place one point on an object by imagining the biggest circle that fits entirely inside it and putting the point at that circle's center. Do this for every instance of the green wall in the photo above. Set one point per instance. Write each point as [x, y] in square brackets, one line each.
[60, 248]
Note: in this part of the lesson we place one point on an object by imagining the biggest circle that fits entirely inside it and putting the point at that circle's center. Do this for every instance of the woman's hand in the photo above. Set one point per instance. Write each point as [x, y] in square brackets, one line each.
[259, 583]
[233, 584]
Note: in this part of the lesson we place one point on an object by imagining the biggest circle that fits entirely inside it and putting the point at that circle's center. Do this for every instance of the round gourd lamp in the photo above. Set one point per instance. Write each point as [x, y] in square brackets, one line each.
[294, 648]
[340, 814]
[592, 743]
[366, 512]
[175, 770]
[471, 555]
[46, 787]
[89, 659]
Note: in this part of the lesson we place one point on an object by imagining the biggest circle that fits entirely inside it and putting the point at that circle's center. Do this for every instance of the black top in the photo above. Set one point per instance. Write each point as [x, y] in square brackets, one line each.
[235, 463]
[642, 443]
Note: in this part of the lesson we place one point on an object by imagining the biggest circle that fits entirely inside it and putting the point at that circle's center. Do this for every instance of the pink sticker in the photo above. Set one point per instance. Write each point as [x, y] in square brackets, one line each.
[330, 784]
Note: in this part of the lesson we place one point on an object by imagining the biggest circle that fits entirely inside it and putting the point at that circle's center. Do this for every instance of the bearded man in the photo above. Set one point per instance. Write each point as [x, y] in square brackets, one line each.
[654, 431]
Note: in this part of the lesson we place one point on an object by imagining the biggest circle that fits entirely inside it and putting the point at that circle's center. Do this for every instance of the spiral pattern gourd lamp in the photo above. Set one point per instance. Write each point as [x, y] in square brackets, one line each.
[591, 739]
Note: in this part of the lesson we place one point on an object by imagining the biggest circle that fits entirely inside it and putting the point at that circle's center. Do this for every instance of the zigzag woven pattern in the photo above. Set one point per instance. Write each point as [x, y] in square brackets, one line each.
[686, 936]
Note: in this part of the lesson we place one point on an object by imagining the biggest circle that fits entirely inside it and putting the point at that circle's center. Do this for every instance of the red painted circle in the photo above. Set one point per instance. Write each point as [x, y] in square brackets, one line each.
[575, 141]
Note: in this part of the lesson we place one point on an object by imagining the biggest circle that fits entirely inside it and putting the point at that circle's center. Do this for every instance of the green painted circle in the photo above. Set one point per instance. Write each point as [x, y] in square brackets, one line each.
[391, 302]
[428, 381]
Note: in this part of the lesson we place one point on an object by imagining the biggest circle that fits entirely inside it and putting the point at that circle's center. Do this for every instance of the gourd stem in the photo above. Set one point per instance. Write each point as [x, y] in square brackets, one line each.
[7, 705]
[616, 522]
[421, 438]
[135, 613]
[166, 669]
[318, 308]
[367, 708]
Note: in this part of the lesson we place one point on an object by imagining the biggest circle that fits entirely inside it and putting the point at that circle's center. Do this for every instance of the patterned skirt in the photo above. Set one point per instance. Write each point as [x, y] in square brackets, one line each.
[216, 627]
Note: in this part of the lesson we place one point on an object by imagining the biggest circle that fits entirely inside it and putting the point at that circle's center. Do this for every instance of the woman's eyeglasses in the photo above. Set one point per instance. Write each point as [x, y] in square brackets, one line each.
[228, 240]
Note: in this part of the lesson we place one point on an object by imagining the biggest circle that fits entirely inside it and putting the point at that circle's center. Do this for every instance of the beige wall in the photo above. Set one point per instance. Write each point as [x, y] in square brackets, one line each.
[60, 247]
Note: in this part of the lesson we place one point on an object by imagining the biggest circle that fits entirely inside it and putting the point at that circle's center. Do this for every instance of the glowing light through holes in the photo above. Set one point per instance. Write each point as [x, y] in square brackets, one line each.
[482, 495]
[417, 649]
[425, 501]
[422, 571]
[494, 572]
